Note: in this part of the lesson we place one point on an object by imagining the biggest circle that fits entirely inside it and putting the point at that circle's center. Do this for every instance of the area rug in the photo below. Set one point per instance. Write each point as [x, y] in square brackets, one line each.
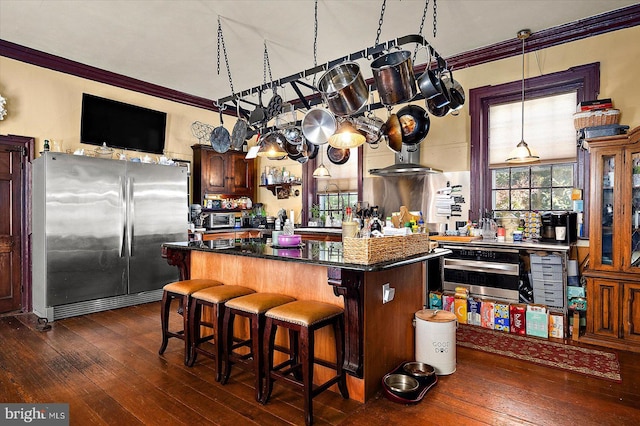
[590, 362]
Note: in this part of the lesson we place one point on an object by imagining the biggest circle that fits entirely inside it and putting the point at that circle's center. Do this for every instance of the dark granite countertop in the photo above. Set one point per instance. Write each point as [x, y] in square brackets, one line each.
[527, 245]
[312, 252]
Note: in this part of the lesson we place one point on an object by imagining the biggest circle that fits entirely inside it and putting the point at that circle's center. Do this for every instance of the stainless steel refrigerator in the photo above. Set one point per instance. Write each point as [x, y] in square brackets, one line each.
[98, 226]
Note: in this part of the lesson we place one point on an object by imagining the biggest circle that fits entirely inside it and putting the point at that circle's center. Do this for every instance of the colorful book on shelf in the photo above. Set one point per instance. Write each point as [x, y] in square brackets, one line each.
[595, 104]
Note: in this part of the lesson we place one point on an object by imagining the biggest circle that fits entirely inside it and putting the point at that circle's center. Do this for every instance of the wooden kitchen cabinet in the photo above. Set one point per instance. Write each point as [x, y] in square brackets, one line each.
[604, 298]
[631, 313]
[613, 275]
[229, 175]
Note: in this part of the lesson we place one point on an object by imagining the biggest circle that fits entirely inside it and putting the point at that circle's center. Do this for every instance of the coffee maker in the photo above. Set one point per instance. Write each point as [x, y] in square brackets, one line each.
[559, 227]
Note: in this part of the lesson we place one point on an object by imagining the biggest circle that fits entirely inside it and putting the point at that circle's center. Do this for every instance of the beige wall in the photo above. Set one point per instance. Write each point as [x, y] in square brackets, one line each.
[46, 104]
[447, 145]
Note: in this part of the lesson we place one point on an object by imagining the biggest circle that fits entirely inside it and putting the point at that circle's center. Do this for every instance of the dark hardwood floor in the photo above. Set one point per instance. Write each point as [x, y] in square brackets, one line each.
[106, 366]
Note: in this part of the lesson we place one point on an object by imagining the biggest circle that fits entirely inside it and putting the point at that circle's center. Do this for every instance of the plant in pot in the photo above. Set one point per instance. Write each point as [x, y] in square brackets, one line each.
[315, 218]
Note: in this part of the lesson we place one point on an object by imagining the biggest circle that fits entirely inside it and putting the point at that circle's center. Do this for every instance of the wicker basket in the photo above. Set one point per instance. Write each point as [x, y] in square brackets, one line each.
[600, 117]
[365, 251]
[416, 244]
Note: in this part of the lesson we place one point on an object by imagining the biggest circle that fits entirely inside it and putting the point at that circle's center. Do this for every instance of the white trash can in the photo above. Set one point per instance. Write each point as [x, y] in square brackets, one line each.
[436, 339]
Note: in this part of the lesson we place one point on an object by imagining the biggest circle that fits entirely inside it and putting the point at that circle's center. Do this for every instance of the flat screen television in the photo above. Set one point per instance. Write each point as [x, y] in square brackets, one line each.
[122, 125]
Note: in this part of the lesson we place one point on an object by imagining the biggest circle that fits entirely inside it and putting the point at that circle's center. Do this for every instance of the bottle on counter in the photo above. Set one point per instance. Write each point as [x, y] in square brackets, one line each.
[288, 227]
[278, 223]
[376, 225]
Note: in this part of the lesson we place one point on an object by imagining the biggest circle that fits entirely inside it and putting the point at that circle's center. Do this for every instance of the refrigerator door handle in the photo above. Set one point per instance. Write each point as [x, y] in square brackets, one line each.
[123, 216]
[130, 215]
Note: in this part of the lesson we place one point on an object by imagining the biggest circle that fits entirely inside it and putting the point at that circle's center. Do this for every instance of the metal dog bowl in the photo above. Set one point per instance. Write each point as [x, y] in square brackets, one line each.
[401, 384]
[419, 369]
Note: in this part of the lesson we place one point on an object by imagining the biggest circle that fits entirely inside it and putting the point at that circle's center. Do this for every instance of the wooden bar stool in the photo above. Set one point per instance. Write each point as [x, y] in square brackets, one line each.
[181, 290]
[303, 318]
[215, 298]
[252, 306]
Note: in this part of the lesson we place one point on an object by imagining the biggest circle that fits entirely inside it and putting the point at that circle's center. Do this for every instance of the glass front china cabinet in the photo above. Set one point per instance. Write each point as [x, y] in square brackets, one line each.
[613, 275]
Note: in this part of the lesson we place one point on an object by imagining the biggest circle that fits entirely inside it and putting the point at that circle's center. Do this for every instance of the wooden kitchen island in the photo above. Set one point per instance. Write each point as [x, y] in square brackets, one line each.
[378, 336]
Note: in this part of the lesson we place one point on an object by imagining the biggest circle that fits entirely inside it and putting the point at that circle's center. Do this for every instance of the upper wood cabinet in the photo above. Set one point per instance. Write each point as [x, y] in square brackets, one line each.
[228, 174]
[613, 275]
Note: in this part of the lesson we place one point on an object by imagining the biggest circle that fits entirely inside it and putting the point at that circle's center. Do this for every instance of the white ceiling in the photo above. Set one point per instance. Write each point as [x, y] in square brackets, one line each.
[173, 43]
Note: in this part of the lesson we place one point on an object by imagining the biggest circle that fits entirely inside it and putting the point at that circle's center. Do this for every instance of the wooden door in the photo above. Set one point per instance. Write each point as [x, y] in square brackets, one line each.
[13, 207]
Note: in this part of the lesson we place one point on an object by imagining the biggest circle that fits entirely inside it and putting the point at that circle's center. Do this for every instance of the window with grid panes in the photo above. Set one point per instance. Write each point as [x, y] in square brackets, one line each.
[549, 130]
[333, 204]
[538, 187]
[496, 129]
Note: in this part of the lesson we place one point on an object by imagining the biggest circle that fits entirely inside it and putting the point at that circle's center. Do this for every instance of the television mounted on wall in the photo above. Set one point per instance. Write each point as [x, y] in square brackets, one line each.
[122, 125]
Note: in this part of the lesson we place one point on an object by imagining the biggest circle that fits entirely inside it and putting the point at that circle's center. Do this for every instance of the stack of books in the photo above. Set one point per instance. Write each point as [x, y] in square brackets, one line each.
[595, 104]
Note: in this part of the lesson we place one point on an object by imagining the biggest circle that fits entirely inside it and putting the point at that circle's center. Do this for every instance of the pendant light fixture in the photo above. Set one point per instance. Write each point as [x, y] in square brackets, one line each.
[321, 172]
[523, 153]
[346, 137]
[271, 147]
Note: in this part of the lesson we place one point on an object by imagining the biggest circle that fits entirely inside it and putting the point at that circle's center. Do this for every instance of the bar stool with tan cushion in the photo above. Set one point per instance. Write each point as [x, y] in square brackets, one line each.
[182, 291]
[304, 317]
[215, 298]
[253, 307]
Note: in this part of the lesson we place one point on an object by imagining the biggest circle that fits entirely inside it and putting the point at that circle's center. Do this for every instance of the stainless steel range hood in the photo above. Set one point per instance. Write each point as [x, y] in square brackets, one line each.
[407, 163]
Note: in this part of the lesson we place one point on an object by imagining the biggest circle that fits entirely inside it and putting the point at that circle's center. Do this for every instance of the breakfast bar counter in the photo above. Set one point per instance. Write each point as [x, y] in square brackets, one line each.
[378, 336]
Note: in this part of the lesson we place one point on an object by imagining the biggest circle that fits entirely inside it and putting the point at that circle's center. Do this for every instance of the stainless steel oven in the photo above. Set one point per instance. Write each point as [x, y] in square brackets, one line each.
[486, 272]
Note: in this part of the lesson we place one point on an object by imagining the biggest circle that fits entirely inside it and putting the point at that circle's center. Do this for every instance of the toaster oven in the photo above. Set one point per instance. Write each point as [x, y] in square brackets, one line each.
[220, 220]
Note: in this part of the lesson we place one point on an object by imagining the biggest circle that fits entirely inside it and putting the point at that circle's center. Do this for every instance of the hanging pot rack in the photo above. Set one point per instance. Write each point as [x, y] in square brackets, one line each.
[297, 79]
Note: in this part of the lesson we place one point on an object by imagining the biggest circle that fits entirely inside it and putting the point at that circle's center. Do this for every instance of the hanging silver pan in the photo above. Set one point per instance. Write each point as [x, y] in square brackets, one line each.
[220, 138]
[318, 124]
[239, 132]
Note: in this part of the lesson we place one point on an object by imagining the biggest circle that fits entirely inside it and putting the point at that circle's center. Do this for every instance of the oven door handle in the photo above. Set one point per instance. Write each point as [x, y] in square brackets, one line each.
[479, 266]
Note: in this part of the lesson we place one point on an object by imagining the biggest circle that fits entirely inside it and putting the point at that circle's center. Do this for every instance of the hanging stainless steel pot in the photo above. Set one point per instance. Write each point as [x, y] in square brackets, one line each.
[318, 125]
[303, 149]
[435, 110]
[393, 74]
[415, 124]
[455, 91]
[432, 87]
[293, 135]
[292, 150]
[371, 126]
[343, 89]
